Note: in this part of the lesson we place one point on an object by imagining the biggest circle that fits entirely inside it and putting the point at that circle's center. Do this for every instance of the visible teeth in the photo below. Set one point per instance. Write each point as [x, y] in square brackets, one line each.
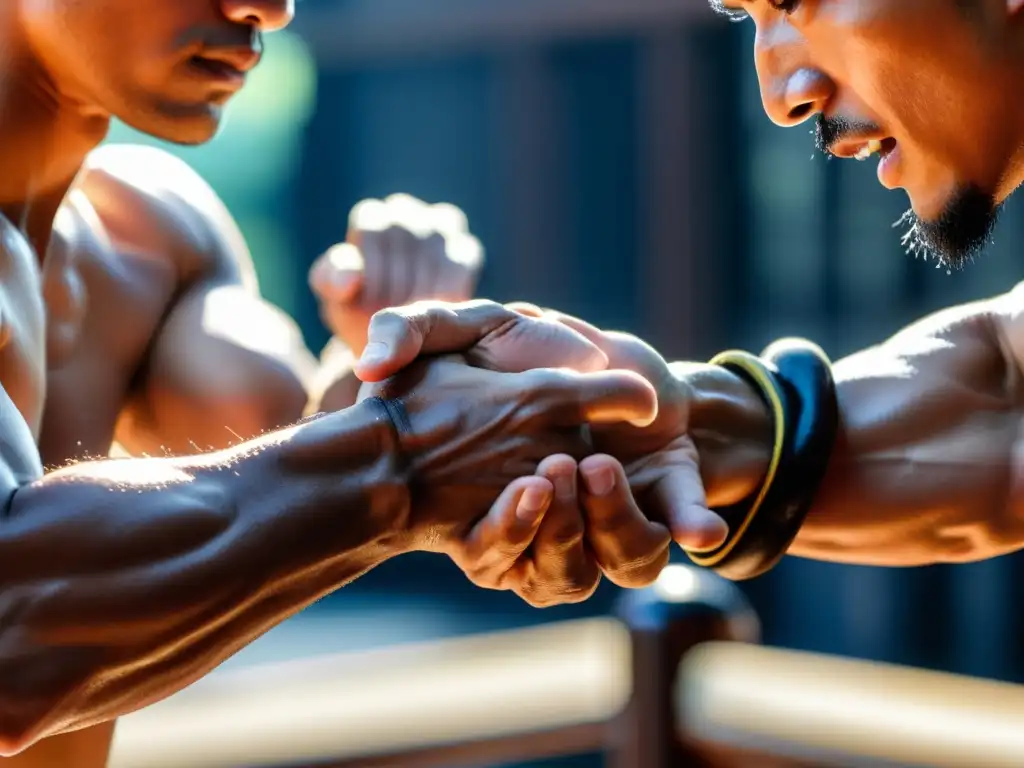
[869, 149]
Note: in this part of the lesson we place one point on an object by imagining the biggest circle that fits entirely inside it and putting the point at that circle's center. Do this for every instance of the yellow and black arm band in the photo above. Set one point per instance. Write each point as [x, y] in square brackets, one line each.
[794, 377]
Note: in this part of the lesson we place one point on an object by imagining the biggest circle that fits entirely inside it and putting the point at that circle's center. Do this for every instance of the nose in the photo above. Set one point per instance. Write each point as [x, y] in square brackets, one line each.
[267, 15]
[801, 94]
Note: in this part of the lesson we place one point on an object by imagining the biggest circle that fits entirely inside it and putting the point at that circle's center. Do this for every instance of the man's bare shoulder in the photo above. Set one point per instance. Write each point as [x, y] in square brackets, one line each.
[979, 338]
[152, 203]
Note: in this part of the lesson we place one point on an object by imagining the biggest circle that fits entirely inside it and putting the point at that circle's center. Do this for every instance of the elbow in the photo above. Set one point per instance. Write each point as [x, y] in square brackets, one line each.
[17, 735]
[45, 688]
[56, 691]
[13, 743]
[26, 720]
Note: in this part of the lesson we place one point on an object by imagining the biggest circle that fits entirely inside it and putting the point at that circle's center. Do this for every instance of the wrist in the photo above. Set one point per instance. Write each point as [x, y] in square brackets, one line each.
[337, 480]
[732, 427]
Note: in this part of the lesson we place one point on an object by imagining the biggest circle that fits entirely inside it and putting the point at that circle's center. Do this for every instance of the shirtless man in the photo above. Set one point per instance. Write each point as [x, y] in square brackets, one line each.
[129, 312]
[921, 456]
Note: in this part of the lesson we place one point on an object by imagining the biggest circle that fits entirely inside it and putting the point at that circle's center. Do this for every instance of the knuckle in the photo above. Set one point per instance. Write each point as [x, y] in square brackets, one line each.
[563, 537]
[449, 219]
[550, 383]
[615, 520]
[482, 575]
[392, 319]
[368, 215]
[579, 595]
[578, 588]
[551, 397]
[465, 251]
[633, 349]
[638, 572]
[492, 310]
[535, 601]
[529, 589]
[566, 579]
[549, 596]
[402, 198]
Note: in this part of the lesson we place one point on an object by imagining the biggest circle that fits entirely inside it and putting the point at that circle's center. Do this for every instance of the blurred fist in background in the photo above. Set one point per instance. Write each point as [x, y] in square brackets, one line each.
[398, 251]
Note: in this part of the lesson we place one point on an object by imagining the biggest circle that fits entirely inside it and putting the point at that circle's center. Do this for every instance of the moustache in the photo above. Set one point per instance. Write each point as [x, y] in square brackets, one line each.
[828, 131]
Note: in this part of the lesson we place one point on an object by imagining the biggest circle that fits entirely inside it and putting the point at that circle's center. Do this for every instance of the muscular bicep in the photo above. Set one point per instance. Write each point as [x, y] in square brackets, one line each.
[224, 363]
[926, 465]
[225, 366]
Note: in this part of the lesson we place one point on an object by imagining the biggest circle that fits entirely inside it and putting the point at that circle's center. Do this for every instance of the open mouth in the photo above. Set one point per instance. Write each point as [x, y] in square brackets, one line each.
[215, 68]
[882, 147]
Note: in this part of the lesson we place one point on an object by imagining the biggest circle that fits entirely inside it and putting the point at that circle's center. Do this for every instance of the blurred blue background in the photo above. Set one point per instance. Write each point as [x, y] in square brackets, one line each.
[614, 159]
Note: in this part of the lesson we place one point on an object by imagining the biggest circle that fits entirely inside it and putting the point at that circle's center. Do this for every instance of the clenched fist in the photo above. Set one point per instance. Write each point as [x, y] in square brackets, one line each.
[398, 251]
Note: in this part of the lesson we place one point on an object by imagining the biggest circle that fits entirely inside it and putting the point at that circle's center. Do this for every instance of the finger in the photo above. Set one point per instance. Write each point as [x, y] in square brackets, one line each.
[401, 251]
[495, 543]
[496, 337]
[368, 215]
[465, 250]
[409, 213]
[452, 282]
[337, 276]
[604, 397]
[680, 499]
[623, 350]
[397, 336]
[428, 268]
[449, 220]
[563, 570]
[526, 309]
[374, 246]
[592, 332]
[631, 550]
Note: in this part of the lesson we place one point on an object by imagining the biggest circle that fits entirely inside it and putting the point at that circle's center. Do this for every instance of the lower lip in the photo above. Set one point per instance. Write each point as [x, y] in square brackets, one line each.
[217, 71]
[888, 168]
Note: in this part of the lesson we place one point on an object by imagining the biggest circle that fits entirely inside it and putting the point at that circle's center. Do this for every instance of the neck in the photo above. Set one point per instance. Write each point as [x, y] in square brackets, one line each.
[44, 139]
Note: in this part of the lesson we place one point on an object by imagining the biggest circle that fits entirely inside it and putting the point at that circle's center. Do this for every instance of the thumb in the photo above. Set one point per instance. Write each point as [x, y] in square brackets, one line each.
[338, 275]
[492, 336]
[680, 500]
[399, 335]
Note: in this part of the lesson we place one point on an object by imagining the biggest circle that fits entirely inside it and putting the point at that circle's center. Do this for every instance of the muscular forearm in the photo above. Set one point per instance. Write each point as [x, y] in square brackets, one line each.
[123, 581]
[925, 467]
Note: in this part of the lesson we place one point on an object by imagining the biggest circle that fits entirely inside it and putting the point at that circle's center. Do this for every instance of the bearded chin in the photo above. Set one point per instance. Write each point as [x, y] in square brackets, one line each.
[958, 235]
